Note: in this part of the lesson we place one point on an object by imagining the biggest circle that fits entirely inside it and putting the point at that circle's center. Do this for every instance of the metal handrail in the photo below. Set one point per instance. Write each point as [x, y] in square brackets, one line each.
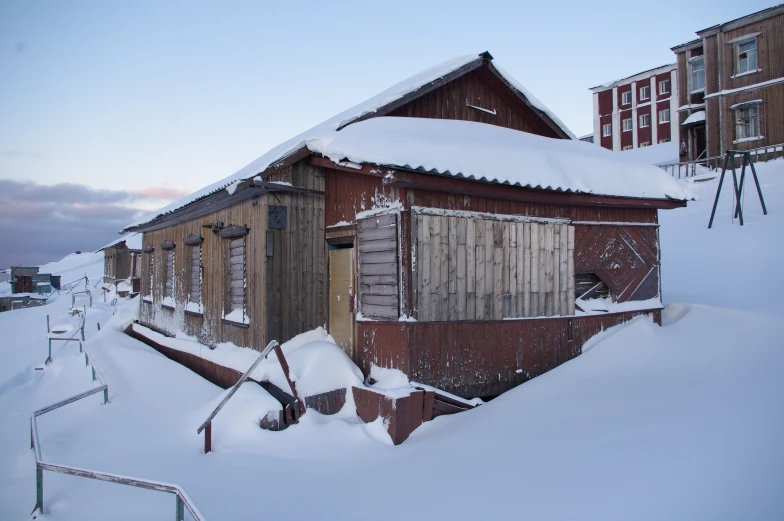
[183, 500]
[714, 162]
[208, 422]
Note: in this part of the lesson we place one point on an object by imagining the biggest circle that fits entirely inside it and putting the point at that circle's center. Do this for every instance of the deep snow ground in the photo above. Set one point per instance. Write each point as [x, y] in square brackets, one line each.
[679, 422]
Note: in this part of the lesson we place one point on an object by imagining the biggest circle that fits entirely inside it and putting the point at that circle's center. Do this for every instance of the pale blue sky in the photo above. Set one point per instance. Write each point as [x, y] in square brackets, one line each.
[132, 95]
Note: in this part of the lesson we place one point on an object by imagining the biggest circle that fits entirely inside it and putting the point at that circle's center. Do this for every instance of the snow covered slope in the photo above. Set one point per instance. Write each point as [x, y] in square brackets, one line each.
[682, 422]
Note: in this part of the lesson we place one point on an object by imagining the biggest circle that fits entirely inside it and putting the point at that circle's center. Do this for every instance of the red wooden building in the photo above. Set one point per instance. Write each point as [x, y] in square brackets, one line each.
[450, 227]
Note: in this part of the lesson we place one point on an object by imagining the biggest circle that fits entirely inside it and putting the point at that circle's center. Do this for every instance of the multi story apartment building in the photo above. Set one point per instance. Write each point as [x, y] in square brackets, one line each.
[731, 84]
[636, 111]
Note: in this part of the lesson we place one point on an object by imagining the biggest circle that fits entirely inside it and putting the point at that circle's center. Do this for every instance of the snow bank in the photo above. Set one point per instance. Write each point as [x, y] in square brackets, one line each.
[659, 154]
[132, 240]
[499, 155]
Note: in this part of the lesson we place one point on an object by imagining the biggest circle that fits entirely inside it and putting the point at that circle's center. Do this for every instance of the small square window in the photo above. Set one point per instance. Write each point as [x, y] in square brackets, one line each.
[607, 129]
[644, 144]
[667, 140]
[627, 125]
[627, 147]
[645, 93]
[626, 98]
[664, 116]
[645, 120]
[664, 87]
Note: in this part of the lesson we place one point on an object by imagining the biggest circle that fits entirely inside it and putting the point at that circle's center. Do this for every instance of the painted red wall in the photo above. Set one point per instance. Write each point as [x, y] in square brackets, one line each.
[644, 134]
[606, 142]
[663, 129]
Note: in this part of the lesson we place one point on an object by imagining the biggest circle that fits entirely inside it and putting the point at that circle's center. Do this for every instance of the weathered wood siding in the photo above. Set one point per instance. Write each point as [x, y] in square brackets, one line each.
[117, 263]
[285, 273]
[481, 269]
[479, 358]
[379, 293]
[479, 88]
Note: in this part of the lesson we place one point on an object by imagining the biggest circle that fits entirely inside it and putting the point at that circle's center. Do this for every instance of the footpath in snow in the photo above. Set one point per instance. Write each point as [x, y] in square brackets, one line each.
[683, 421]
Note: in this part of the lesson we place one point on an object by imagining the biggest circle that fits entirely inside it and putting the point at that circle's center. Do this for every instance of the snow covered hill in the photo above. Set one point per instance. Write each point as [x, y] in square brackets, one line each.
[679, 422]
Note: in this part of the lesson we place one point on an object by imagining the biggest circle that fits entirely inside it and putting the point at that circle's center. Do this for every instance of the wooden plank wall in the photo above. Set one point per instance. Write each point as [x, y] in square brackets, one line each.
[480, 89]
[379, 294]
[475, 269]
[286, 285]
[480, 358]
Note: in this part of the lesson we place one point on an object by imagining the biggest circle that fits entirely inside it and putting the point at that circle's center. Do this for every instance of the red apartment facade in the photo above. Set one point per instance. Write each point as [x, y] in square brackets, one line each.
[637, 111]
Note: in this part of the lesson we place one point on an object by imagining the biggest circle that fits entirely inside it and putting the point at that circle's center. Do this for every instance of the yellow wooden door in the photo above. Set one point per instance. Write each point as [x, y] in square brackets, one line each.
[341, 293]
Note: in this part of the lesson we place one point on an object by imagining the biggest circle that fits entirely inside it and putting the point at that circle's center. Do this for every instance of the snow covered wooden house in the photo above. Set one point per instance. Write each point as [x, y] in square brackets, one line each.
[450, 227]
[122, 261]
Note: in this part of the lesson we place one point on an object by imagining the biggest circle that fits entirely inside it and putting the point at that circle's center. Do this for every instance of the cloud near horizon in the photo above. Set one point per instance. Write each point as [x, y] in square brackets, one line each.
[43, 223]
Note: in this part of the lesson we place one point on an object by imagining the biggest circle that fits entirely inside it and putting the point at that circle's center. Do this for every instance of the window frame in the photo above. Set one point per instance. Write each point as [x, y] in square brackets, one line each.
[662, 111]
[754, 120]
[692, 62]
[623, 125]
[642, 123]
[663, 83]
[664, 140]
[644, 144]
[231, 234]
[627, 147]
[645, 88]
[737, 53]
[623, 97]
[605, 127]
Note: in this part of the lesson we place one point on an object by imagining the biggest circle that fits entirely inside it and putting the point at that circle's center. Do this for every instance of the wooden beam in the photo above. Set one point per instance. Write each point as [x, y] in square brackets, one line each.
[366, 169]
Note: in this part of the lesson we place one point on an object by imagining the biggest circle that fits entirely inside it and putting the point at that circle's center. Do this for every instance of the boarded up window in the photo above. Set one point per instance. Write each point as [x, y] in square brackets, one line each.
[150, 270]
[468, 268]
[236, 282]
[379, 297]
[168, 290]
[194, 293]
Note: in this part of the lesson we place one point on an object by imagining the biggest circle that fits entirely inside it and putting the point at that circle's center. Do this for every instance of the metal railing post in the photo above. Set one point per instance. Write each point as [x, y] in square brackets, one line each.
[47, 324]
[180, 515]
[39, 488]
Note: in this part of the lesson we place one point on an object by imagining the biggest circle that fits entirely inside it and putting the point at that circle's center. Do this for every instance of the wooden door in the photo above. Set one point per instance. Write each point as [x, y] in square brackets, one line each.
[341, 293]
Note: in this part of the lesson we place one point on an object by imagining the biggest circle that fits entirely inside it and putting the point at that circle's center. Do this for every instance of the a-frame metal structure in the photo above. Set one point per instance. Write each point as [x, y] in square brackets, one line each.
[729, 160]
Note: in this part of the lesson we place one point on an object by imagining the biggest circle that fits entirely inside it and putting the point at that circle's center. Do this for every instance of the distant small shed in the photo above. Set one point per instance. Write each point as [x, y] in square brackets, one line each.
[122, 260]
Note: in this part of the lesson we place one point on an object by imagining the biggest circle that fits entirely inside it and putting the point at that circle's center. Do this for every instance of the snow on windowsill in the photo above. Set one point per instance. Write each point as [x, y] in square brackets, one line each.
[747, 139]
[744, 103]
[741, 74]
[194, 308]
[147, 298]
[167, 303]
[338, 225]
[238, 317]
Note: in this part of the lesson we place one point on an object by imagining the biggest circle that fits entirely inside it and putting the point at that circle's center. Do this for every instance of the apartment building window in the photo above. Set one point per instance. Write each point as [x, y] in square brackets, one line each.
[644, 144]
[195, 274]
[746, 56]
[667, 140]
[645, 93]
[235, 309]
[626, 98]
[747, 124]
[697, 66]
[607, 129]
[664, 87]
[168, 275]
[664, 116]
[627, 147]
[627, 125]
[645, 120]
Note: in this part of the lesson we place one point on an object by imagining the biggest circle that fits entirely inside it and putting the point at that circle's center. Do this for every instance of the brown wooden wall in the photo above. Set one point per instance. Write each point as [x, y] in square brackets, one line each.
[120, 258]
[770, 46]
[476, 358]
[481, 89]
[286, 283]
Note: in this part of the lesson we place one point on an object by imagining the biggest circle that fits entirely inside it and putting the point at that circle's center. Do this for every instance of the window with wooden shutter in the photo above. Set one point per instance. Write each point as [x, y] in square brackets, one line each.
[379, 296]
[168, 289]
[194, 291]
[236, 308]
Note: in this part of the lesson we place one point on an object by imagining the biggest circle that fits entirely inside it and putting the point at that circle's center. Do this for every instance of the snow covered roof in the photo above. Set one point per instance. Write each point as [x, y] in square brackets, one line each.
[498, 155]
[370, 106]
[659, 154]
[132, 240]
[696, 117]
[634, 77]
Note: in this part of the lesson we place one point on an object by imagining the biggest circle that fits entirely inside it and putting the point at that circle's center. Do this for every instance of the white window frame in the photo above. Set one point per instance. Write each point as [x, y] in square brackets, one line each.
[692, 62]
[749, 68]
[623, 122]
[643, 90]
[624, 96]
[627, 147]
[661, 113]
[754, 131]
[664, 87]
[645, 120]
[607, 130]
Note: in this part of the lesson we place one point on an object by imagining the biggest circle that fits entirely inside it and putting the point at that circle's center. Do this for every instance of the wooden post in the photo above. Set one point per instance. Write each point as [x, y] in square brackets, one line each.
[49, 358]
[208, 438]
[285, 366]
[99, 326]
[47, 325]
